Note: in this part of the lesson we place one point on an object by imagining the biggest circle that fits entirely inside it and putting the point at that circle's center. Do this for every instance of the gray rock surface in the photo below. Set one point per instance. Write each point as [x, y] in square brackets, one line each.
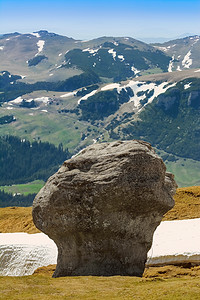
[102, 207]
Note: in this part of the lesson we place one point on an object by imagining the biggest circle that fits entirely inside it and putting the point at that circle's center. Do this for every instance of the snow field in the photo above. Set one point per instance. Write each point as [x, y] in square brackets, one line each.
[176, 242]
[22, 253]
[173, 242]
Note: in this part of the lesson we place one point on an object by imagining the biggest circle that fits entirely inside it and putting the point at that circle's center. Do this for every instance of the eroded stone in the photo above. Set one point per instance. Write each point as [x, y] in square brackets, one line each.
[102, 207]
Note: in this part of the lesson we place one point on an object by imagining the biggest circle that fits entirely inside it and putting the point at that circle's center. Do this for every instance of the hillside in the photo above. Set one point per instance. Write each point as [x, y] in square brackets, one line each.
[44, 56]
[19, 219]
[171, 121]
[22, 161]
[59, 90]
[184, 52]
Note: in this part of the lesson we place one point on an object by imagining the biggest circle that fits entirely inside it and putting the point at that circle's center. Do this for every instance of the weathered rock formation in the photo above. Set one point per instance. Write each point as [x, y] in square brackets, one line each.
[101, 208]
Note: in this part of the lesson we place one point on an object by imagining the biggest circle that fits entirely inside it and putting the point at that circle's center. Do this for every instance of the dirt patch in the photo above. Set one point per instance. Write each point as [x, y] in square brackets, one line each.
[170, 271]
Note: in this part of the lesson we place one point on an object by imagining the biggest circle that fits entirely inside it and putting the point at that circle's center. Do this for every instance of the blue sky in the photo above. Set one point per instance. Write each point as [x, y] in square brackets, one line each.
[89, 19]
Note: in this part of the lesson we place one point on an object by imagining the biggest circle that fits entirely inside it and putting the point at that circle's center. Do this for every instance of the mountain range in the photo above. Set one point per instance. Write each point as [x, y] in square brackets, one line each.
[57, 89]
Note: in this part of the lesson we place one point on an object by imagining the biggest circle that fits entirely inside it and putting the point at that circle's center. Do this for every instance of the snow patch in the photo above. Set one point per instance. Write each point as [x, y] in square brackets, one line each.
[110, 86]
[121, 57]
[51, 74]
[136, 71]
[163, 49]
[171, 64]
[87, 96]
[178, 68]
[91, 51]
[1, 47]
[176, 242]
[187, 86]
[68, 95]
[40, 45]
[197, 71]
[187, 61]
[60, 54]
[113, 52]
[36, 34]
[17, 100]
[41, 99]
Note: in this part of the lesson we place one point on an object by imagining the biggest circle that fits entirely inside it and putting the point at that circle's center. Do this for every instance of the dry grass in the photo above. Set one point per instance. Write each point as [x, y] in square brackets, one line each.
[168, 271]
[42, 286]
[187, 204]
[17, 219]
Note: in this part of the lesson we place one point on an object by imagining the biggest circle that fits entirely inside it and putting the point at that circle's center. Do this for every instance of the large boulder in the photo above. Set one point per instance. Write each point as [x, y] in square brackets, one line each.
[102, 207]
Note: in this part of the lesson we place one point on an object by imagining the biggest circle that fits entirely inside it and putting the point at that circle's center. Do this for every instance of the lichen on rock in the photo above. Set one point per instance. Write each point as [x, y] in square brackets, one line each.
[102, 207]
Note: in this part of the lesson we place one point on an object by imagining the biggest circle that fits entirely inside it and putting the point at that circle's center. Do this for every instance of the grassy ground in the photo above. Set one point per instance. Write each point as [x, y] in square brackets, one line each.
[42, 286]
[187, 204]
[50, 127]
[163, 283]
[25, 189]
[17, 219]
